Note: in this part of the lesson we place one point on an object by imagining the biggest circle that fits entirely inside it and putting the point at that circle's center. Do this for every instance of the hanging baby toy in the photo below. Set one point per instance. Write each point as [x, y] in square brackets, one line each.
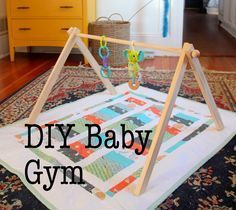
[134, 57]
[104, 54]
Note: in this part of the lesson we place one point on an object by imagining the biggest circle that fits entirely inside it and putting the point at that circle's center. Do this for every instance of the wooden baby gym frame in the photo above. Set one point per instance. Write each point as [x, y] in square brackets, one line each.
[187, 55]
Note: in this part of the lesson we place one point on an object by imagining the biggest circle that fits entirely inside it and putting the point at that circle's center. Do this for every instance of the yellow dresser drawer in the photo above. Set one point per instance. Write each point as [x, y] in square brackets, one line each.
[45, 22]
[50, 8]
[43, 29]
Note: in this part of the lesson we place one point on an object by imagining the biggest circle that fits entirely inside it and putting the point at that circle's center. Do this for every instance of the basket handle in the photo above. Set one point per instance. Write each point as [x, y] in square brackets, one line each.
[116, 14]
[103, 17]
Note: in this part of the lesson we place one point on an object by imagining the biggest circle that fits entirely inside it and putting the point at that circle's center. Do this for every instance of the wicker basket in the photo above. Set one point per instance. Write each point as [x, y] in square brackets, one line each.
[119, 29]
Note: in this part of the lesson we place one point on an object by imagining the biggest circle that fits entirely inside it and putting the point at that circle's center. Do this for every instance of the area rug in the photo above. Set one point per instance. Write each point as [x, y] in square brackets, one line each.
[70, 87]
[78, 82]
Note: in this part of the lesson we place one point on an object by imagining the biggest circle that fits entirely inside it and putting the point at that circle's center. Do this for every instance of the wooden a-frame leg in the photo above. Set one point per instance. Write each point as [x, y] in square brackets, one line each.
[53, 77]
[161, 127]
[205, 89]
[94, 64]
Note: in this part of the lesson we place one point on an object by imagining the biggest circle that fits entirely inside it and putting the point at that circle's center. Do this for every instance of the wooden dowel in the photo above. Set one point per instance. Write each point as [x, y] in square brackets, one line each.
[53, 77]
[205, 89]
[162, 124]
[136, 44]
[195, 54]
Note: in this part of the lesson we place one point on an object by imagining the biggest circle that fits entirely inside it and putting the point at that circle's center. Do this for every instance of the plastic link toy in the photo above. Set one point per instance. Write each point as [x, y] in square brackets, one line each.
[104, 54]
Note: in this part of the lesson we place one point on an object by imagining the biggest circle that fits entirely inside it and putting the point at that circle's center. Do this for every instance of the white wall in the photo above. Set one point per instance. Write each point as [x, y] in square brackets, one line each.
[146, 26]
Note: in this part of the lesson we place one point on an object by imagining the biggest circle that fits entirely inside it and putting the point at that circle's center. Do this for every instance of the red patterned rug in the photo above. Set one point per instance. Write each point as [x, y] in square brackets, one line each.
[211, 187]
[78, 82]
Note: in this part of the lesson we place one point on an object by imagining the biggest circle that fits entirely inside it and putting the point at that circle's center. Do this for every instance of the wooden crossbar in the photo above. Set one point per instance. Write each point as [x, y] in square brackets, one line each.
[177, 51]
[187, 55]
[135, 44]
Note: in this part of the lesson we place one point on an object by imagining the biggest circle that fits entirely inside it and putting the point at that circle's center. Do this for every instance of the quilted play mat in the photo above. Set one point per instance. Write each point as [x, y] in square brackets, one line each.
[110, 175]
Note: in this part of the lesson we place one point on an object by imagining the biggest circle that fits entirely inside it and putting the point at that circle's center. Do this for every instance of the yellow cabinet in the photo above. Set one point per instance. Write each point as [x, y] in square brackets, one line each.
[45, 22]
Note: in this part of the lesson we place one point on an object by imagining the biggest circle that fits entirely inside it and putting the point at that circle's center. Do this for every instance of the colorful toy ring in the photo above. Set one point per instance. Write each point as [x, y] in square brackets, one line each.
[104, 49]
[102, 72]
[133, 85]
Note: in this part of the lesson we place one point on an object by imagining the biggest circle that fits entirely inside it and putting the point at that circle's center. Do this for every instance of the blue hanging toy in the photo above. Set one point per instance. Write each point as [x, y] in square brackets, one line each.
[104, 54]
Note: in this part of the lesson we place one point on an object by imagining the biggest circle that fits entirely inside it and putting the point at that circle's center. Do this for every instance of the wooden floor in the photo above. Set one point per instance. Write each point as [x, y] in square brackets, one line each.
[26, 67]
[210, 63]
[205, 33]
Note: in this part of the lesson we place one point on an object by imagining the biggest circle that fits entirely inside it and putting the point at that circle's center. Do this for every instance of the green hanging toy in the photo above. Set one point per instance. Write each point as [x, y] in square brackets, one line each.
[134, 57]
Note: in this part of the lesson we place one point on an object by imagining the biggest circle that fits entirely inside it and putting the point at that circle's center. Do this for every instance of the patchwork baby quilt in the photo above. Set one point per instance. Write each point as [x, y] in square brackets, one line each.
[110, 174]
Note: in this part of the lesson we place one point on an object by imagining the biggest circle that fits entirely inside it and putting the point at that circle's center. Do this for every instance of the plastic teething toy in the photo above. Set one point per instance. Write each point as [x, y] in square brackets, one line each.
[104, 54]
[134, 57]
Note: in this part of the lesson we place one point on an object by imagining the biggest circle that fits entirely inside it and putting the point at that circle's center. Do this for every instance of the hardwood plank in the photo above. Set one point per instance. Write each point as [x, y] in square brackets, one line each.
[27, 67]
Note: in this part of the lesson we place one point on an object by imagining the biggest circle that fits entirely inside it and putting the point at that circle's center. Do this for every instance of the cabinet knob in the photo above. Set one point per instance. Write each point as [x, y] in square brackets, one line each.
[65, 29]
[23, 7]
[24, 29]
[66, 7]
